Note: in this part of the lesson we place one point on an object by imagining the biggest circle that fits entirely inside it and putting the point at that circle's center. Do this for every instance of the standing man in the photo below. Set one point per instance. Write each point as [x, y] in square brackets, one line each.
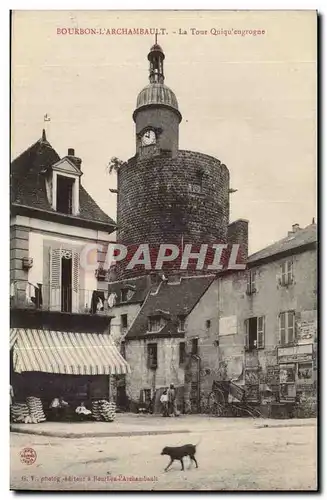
[172, 408]
[164, 403]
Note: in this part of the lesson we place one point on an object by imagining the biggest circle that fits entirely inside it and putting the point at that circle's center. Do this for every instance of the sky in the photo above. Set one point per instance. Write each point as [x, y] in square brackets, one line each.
[248, 100]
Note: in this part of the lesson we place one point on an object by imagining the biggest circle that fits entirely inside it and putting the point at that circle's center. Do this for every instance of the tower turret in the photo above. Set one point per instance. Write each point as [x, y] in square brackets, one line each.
[156, 116]
[167, 195]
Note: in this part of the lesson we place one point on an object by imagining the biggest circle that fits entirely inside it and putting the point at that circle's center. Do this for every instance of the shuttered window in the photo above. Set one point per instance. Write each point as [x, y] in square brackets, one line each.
[55, 279]
[65, 298]
[287, 273]
[251, 276]
[255, 333]
[260, 332]
[76, 282]
[287, 327]
[152, 355]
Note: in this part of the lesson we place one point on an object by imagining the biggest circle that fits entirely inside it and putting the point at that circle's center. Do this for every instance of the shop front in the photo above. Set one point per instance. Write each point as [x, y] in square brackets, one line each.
[297, 373]
[56, 372]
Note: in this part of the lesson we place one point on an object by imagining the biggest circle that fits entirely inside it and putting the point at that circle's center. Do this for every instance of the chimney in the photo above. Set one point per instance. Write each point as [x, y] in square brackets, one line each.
[71, 155]
[295, 228]
[238, 233]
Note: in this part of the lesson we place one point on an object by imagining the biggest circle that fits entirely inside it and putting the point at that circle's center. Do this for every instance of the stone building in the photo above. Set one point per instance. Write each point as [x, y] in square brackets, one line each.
[155, 342]
[58, 305]
[258, 328]
[168, 195]
[172, 196]
[190, 327]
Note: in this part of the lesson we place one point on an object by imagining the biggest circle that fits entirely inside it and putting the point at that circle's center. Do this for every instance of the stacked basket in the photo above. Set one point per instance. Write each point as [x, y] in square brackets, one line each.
[107, 411]
[35, 409]
[95, 411]
[103, 410]
[19, 412]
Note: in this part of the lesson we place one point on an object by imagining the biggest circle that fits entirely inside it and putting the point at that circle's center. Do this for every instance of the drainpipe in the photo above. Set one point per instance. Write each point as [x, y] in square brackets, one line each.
[198, 360]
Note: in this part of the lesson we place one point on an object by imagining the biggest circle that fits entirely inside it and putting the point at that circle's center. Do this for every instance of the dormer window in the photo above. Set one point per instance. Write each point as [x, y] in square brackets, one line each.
[124, 294]
[65, 187]
[63, 184]
[156, 323]
[181, 323]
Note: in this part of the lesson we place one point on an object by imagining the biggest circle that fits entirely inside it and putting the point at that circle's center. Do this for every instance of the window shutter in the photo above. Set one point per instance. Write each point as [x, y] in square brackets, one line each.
[283, 273]
[289, 272]
[261, 332]
[247, 333]
[75, 282]
[253, 279]
[282, 329]
[297, 324]
[290, 326]
[55, 279]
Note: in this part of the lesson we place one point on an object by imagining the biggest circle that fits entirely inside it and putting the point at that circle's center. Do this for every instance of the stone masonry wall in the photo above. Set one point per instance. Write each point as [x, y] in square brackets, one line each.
[261, 366]
[238, 233]
[19, 244]
[170, 200]
[142, 377]
[202, 323]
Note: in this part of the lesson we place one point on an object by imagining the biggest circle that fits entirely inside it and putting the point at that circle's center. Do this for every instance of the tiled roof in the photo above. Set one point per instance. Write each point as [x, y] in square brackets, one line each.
[294, 241]
[140, 286]
[28, 184]
[170, 300]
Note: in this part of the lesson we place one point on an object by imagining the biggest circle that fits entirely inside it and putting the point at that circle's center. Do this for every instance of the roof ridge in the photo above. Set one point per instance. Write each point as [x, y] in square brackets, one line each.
[39, 141]
[285, 238]
[283, 241]
[25, 151]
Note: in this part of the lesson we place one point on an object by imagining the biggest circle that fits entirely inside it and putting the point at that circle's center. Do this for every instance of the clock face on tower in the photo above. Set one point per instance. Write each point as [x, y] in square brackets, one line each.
[149, 137]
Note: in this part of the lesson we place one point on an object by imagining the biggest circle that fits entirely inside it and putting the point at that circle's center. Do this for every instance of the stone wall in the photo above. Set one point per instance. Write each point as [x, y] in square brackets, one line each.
[262, 367]
[142, 377]
[116, 330]
[222, 348]
[19, 244]
[202, 324]
[238, 233]
[170, 200]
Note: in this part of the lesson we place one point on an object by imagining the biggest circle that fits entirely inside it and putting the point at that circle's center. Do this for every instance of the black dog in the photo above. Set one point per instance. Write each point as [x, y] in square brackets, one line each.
[178, 452]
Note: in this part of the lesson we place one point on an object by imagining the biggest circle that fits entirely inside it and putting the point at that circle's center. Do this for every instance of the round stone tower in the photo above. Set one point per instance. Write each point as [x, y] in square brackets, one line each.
[167, 195]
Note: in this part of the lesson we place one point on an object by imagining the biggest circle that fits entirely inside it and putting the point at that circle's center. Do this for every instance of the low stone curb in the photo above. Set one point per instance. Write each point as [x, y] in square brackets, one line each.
[72, 435]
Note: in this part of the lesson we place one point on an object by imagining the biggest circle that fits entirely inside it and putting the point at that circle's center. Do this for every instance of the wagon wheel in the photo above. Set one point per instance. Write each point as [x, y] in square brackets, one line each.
[252, 412]
[236, 410]
[256, 413]
[214, 407]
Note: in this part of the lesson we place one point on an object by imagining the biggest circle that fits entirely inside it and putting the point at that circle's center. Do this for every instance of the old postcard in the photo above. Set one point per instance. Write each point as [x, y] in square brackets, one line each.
[163, 288]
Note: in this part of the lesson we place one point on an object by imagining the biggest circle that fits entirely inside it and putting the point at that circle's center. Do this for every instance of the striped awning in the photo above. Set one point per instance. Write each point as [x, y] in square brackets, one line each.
[13, 337]
[67, 353]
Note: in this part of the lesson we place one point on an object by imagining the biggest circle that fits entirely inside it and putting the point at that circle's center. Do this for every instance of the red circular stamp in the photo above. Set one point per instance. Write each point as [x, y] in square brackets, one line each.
[28, 456]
